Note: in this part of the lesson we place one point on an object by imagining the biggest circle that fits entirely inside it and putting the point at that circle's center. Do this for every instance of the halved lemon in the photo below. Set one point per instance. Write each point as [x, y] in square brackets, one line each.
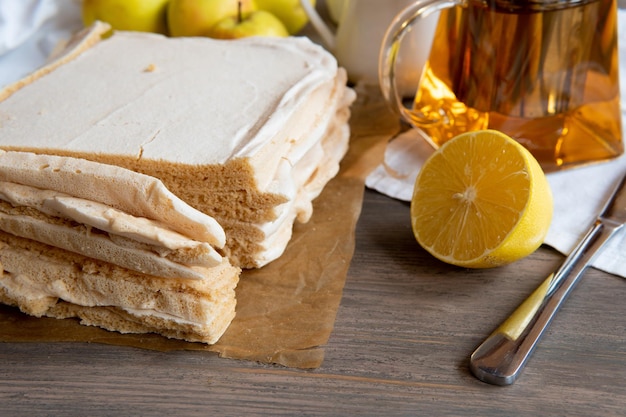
[481, 200]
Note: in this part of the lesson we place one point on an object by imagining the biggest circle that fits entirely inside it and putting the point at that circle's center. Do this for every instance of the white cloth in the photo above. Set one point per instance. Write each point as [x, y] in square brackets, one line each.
[579, 193]
[29, 31]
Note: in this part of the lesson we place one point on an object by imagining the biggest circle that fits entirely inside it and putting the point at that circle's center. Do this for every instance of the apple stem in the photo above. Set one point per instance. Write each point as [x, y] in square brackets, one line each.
[239, 17]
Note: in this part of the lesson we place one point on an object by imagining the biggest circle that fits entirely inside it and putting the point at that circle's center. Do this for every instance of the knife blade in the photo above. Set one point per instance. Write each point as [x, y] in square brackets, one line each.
[500, 359]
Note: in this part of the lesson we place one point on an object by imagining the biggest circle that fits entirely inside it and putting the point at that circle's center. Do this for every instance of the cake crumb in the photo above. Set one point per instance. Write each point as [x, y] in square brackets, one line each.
[150, 68]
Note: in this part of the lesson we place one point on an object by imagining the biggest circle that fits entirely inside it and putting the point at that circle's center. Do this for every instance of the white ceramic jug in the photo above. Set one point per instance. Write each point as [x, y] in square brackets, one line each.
[360, 30]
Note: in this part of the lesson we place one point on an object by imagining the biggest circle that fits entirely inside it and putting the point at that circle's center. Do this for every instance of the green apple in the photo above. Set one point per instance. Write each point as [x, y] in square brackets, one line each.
[290, 12]
[257, 23]
[196, 17]
[139, 15]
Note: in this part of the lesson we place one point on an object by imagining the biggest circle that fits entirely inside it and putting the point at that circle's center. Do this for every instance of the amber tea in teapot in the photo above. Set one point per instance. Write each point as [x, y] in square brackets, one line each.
[543, 72]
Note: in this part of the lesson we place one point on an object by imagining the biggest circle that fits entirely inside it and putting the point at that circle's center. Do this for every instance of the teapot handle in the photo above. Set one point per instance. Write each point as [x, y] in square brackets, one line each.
[327, 35]
[390, 50]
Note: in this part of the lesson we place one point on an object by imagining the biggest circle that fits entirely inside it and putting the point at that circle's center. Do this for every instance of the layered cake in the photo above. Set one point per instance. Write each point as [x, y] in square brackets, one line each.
[140, 173]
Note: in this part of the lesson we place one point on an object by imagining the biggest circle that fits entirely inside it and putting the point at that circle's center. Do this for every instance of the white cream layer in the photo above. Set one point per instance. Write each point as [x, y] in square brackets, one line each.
[29, 288]
[100, 216]
[133, 193]
[188, 100]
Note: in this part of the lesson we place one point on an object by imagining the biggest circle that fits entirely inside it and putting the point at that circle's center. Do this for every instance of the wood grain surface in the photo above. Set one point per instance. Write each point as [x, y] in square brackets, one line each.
[404, 332]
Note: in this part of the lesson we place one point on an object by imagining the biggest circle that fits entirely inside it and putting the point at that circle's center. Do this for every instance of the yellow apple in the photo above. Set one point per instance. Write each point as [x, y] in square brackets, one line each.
[290, 12]
[257, 23]
[139, 15]
[196, 17]
[335, 7]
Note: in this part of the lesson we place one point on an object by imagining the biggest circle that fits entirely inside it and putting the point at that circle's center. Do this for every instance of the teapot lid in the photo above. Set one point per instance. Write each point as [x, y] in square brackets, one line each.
[530, 6]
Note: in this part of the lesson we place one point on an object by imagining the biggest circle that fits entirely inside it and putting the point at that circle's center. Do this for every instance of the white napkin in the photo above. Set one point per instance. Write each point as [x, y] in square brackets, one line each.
[29, 31]
[579, 193]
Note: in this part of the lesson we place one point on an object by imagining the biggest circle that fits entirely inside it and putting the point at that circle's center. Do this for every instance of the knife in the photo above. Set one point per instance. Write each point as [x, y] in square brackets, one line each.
[500, 359]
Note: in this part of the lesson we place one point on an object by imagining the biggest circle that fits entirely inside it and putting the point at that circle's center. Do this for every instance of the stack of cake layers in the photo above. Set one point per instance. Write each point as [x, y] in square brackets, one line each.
[140, 173]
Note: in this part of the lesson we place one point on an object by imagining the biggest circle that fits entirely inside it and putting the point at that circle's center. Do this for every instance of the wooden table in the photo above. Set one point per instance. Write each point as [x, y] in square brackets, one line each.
[405, 329]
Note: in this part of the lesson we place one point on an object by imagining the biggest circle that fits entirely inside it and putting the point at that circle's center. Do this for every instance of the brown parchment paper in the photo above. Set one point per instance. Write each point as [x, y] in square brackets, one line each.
[285, 310]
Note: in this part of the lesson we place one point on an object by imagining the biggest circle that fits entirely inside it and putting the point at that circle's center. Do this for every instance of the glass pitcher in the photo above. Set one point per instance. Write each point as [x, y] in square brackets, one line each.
[545, 72]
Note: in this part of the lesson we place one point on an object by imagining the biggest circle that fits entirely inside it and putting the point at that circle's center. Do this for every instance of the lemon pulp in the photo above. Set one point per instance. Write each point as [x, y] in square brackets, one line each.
[481, 200]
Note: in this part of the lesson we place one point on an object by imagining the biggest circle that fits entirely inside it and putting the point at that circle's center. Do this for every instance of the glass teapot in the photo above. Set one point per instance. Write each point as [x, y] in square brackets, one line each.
[545, 72]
